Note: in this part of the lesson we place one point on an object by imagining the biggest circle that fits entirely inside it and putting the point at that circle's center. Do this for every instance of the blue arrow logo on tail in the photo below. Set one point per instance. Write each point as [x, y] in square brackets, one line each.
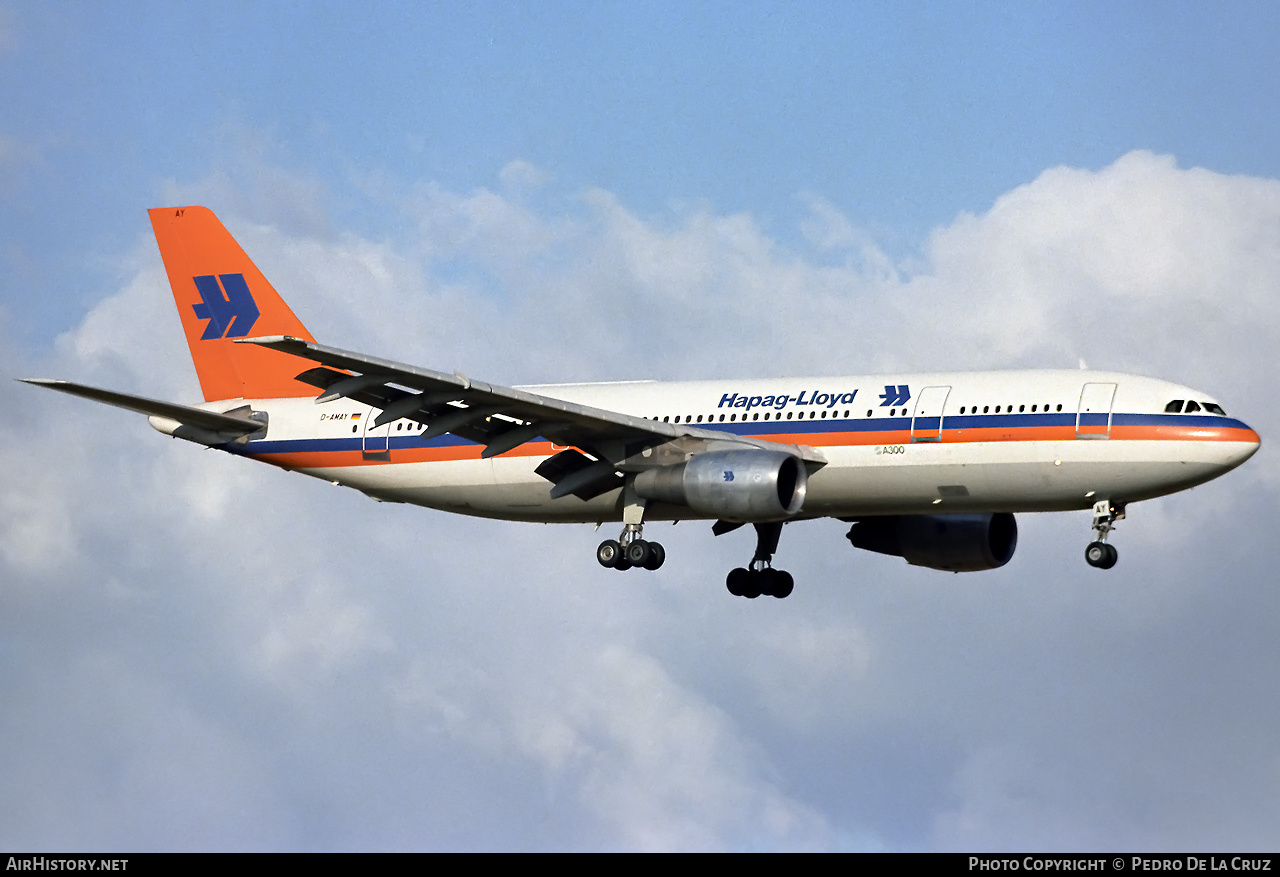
[229, 308]
[895, 395]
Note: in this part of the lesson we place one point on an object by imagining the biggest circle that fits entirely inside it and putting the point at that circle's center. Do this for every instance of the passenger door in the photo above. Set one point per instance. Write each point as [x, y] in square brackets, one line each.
[375, 441]
[1093, 417]
[926, 422]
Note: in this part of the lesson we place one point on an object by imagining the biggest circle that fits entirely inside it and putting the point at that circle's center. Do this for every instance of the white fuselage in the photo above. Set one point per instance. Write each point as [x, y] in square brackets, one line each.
[894, 444]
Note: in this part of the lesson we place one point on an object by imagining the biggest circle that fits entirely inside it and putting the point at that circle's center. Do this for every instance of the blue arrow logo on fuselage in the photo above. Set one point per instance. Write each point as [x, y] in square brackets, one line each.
[895, 395]
[229, 307]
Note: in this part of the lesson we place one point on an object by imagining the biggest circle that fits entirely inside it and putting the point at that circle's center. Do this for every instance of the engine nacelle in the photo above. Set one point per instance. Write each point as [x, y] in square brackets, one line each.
[955, 543]
[731, 485]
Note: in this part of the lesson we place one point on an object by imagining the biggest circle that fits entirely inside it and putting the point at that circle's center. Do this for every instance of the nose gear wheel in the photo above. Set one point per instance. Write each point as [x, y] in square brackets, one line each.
[1101, 555]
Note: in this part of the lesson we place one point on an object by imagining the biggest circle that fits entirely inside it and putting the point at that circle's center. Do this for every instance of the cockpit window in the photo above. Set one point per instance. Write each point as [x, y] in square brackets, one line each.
[1191, 406]
[1174, 407]
[1213, 408]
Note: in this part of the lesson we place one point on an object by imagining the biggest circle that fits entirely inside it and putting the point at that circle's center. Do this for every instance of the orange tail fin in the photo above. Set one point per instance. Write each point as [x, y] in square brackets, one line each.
[221, 296]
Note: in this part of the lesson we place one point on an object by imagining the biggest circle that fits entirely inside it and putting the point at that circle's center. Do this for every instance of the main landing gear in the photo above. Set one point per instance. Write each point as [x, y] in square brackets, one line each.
[760, 577]
[630, 550]
[1100, 554]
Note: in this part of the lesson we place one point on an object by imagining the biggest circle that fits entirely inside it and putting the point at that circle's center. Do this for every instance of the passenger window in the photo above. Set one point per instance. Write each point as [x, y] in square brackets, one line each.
[1022, 408]
[1059, 406]
[1174, 407]
[755, 416]
[733, 417]
[788, 415]
[868, 412]
[353, 429]
[1191, 406]
[1033, 409]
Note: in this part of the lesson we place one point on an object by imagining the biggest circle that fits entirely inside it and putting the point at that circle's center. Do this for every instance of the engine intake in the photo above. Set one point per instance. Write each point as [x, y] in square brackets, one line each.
[954, 543]
[731, 485]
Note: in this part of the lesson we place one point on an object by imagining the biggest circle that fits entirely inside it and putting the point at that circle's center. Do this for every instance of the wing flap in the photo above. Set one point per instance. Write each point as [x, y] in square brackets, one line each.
[503, 418]
[378, 382]
[584, 421]
[572, 472]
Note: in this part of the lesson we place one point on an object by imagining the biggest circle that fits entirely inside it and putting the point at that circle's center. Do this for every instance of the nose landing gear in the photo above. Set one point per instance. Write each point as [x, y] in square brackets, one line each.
[1099, 553]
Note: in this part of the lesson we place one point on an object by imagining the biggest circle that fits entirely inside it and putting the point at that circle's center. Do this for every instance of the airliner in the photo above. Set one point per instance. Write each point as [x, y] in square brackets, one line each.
[927, 467]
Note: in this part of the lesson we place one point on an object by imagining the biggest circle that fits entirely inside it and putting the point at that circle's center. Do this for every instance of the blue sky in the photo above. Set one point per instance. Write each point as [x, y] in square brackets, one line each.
[202, 654]
[903, 116]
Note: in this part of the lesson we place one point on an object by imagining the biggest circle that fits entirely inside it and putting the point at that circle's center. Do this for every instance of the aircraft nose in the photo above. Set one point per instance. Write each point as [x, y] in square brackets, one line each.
[1246, 444]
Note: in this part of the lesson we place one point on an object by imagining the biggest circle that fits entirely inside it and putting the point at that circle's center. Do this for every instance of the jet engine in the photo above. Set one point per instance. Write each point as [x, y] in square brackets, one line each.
[746, 485]
[954, 543]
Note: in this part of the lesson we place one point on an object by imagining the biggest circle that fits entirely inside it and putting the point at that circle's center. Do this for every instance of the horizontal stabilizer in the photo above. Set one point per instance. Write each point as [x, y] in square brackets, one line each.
[186, 415]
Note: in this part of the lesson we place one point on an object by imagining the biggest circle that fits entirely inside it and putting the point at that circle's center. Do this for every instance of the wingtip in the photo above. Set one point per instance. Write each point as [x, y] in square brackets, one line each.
[267, 340]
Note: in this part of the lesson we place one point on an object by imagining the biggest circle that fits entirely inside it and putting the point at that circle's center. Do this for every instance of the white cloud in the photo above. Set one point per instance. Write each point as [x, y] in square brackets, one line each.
[522, 176]
[34, 536]
[373, 676]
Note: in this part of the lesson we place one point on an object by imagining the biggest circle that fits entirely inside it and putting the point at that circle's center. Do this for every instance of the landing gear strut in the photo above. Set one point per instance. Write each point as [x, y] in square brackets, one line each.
[760, 577]
[1100, 554]
[630, 549]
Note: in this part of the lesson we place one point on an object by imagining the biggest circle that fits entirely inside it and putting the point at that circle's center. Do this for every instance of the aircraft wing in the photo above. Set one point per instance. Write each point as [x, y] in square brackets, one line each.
[228, 425]
[503, 418]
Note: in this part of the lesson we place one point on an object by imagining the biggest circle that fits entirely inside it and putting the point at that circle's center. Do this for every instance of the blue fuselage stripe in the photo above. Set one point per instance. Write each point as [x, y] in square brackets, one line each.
[766, 428]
